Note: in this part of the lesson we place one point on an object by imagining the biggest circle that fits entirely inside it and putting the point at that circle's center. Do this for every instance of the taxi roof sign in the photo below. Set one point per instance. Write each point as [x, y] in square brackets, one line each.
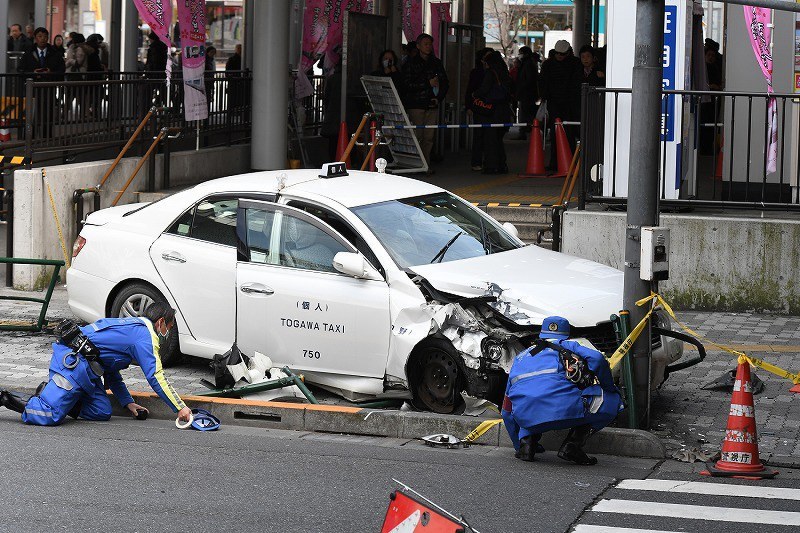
[334, 170]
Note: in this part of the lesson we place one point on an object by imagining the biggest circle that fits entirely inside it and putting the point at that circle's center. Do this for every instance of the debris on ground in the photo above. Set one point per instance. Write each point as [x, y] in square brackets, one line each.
[726, 381]
[693, 455]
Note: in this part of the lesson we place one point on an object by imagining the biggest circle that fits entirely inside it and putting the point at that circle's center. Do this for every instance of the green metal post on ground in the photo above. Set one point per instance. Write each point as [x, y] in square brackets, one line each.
[627, 371]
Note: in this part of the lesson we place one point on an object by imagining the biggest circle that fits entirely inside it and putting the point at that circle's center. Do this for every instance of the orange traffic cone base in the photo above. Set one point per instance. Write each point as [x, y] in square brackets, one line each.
[795, 389]
[713, 471]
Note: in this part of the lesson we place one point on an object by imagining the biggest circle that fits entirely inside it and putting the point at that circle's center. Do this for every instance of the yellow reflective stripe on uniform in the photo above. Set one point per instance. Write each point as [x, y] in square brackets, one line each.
[159, 374]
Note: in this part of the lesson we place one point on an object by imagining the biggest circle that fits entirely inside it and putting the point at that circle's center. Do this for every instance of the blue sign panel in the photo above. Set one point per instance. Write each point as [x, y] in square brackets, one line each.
[669, 80]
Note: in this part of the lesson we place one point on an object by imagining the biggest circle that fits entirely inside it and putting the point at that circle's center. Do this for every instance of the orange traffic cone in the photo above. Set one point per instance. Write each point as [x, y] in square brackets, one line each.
[342, 142]
[5, 134]
[563, 151]
[740, 447]
[535, 166]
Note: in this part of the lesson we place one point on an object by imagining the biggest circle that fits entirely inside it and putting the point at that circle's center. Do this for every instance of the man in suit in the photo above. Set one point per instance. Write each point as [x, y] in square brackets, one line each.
[43, 63]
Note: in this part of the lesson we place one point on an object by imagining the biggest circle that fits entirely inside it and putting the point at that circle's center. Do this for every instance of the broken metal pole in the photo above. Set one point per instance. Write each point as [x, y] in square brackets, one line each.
[643, 181]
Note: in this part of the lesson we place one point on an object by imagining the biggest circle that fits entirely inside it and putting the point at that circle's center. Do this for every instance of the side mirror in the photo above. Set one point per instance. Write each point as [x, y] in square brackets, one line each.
[511, 228]
[355, 265]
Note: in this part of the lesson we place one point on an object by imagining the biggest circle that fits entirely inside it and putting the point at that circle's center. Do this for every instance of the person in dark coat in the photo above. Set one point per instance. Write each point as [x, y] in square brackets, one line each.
[18, 41]
[425, 87]
[527, 89]
[495, 92]
[236, 88]
[474, 82]
[558, 384]
[156, 58]
[561, 89]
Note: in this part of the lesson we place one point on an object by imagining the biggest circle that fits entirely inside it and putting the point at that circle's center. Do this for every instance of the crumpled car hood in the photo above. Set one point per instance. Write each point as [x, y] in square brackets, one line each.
[532, 283]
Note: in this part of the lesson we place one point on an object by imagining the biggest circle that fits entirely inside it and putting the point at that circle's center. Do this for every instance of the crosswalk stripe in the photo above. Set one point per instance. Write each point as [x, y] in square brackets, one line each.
[698, 512]
[585, 528]
[714, 489]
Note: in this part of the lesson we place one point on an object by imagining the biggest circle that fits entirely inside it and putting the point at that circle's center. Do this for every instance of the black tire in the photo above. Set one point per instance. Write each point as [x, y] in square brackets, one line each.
[436, 378]
[132, 300]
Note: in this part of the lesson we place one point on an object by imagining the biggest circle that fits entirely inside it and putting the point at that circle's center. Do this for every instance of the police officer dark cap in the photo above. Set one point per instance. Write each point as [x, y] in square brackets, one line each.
[555, 327]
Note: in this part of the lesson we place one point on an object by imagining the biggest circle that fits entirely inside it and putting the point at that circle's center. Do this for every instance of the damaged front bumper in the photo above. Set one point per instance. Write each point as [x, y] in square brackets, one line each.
[488, 331]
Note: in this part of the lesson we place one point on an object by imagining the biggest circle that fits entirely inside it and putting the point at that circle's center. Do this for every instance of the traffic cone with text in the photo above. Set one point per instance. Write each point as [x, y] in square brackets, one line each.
[563, 151]
[535, 166]
[342, 142]
[739, 456]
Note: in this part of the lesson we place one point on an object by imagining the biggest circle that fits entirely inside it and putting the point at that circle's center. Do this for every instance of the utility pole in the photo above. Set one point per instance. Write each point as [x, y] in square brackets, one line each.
[643, 181]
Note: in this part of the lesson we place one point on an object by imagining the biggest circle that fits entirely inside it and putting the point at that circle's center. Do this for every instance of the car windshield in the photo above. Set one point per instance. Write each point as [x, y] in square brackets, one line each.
[434, 228]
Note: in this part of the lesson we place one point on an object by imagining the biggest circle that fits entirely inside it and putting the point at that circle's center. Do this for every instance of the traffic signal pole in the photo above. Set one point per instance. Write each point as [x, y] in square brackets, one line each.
[643, 181]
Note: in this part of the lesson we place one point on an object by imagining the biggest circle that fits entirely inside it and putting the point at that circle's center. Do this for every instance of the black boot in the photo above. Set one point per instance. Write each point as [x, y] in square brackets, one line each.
[571, 448]
[40, 388]
[13, 401]
[528, 447]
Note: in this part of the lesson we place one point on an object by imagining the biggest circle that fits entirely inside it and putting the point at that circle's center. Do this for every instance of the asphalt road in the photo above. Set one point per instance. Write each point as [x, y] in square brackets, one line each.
[125, 475]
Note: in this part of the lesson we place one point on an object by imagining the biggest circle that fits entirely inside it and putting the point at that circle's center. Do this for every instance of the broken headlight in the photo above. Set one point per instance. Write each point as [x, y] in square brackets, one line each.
[492, 348]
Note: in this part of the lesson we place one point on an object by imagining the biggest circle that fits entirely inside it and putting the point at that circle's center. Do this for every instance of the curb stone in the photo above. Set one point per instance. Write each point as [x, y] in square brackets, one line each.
[381, 423]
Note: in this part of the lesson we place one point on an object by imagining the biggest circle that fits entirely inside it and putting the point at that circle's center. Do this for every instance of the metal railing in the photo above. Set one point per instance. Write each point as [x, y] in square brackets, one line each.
[77, 115]
[715, 157]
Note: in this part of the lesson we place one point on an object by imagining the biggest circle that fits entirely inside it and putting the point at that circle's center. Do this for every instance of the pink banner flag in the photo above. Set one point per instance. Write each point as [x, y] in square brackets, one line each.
[322, 34]
[412, 19]
[439, 12]
[158, 18]
[192, 22]
[759, 28]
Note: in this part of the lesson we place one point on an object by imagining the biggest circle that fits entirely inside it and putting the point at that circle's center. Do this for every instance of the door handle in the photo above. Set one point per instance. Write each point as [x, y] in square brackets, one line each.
[173, 256]
[256, 288]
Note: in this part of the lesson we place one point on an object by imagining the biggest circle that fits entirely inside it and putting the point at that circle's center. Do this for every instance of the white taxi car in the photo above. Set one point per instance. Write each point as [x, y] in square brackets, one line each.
[370, 284]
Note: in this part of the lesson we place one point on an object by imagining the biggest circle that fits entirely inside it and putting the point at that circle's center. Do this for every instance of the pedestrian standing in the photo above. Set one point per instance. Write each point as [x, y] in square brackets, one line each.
[527, 89]
[425, 87]
[494, 96]
[18, 41]
[44, 63]
[473, 83]
[58, 44]
[561, 90]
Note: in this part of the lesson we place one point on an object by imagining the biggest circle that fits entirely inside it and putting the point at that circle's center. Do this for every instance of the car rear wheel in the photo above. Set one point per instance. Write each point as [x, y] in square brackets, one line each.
[132, 300]
[436, 379]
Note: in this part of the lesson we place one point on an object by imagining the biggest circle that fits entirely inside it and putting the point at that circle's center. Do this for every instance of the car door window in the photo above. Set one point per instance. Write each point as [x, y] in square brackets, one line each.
[211, 220]
[344, 229]
[306, 246]
[259, 236]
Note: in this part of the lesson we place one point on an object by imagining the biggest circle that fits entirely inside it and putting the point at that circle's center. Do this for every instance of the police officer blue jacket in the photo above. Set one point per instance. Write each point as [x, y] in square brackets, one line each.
[121, 343]
[540, 398]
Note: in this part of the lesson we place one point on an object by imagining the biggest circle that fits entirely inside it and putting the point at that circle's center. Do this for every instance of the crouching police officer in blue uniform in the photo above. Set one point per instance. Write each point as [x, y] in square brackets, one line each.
[558, 384]
[84, 358]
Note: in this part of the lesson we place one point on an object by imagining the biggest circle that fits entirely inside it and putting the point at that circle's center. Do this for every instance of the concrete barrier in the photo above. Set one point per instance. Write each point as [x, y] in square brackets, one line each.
[35, 232]
[716, 263]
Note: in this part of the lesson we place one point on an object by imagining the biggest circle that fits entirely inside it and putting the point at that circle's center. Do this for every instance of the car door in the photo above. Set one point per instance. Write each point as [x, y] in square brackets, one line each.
[293, 306]
[196, 258]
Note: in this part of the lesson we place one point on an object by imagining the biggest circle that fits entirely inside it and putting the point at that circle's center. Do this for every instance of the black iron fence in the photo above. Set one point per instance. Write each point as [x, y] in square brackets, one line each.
[87, 111]
[714, 149]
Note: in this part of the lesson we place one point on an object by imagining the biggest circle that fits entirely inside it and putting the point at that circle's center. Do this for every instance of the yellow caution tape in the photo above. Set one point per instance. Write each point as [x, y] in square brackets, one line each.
[625, 347]
[482, 428]
[58, 222]
[754, 361]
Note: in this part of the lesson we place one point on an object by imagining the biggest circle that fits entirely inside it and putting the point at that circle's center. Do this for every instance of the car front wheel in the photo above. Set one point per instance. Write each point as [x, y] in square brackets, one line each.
[435, 377]
[132, 300]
